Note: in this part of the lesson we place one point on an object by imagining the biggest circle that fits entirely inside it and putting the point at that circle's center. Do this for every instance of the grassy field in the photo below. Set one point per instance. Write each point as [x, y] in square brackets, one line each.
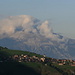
[19, 52]
[66, 69]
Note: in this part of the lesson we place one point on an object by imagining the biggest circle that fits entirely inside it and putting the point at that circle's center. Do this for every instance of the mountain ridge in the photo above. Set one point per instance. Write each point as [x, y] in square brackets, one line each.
[50, 49]
[25, 32]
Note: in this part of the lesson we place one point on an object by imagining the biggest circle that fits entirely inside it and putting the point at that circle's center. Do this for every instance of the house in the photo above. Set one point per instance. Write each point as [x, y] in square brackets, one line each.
[73, 65]
[35, 57]
[44, 55]
[42, 59]
[73, 62]
[60, 64]
[25, 56]
[15, 56]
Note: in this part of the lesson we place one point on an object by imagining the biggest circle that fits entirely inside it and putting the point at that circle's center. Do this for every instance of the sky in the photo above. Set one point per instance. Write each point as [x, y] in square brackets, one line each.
[59, 13]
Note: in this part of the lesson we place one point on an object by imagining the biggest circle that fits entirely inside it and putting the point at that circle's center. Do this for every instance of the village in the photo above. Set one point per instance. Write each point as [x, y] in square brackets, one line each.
[34, 58]
[44, 59]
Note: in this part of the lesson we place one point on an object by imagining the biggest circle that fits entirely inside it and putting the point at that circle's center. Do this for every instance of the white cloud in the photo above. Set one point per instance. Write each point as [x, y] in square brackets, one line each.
[20, 26]
[45, 29]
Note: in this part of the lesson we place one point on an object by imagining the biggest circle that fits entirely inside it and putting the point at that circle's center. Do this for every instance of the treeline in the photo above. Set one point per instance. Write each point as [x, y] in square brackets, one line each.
[3, 48]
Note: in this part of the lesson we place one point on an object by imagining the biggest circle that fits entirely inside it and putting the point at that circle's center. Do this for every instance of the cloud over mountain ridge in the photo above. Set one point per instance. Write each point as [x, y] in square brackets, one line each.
[25, 32]
[18, 26]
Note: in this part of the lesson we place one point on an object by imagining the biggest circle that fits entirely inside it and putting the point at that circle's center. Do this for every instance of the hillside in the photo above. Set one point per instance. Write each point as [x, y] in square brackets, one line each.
[10, 66]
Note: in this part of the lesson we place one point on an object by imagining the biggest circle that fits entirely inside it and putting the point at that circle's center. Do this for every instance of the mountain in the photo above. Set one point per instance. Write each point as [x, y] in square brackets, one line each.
[30, 34]
[42, 46]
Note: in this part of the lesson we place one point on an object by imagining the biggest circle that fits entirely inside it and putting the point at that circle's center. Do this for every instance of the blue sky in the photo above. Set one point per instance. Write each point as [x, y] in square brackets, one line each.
[60, 13]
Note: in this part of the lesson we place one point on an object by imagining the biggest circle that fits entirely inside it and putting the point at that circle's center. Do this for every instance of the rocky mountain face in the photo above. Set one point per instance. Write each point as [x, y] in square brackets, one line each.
[30, 34]
[40, 45]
